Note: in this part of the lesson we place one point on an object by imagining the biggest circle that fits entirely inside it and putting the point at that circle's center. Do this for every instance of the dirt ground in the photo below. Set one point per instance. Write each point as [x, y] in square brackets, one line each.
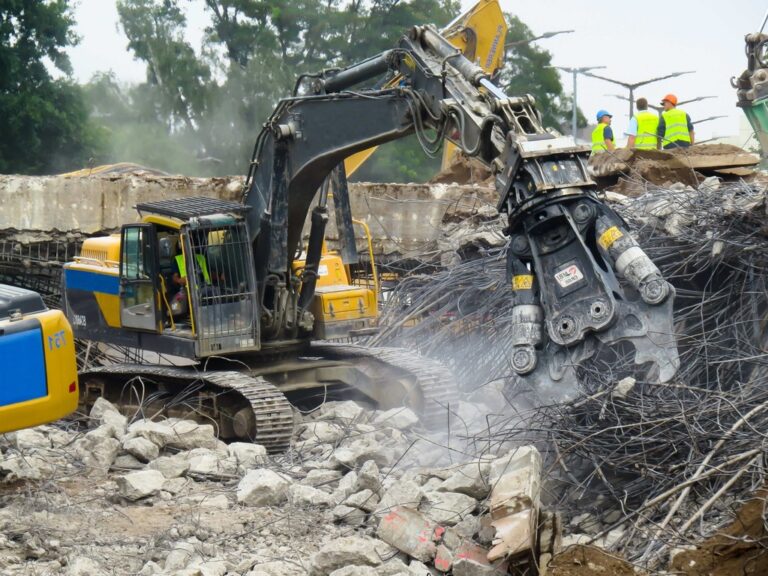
[589, 561]
[741, 549]
[45, 526]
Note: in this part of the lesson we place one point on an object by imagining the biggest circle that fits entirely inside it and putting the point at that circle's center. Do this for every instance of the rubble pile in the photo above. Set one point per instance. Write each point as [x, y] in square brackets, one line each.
[637, 468]
[360, 492]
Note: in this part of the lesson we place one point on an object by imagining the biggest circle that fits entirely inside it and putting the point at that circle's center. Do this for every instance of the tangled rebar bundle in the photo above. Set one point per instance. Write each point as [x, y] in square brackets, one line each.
[654, 465]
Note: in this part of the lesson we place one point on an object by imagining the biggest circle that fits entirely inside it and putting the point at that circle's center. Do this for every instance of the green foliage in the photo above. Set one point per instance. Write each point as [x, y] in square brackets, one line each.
[44, 123]
[527, 70]
[200, 109]
[212, 102]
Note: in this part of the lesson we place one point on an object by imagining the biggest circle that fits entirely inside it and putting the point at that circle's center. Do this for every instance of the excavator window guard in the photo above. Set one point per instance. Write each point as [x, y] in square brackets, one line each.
[222, 287]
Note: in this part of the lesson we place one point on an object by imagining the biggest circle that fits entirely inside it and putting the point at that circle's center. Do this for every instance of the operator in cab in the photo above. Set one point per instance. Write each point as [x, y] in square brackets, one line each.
[602, 135]
[179, 301]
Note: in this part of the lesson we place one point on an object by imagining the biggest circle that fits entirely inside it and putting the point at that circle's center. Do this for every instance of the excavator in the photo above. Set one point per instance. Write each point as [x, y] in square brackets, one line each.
[249, 338]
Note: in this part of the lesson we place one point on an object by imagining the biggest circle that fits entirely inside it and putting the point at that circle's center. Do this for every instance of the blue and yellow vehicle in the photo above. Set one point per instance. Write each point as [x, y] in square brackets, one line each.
[38, 382]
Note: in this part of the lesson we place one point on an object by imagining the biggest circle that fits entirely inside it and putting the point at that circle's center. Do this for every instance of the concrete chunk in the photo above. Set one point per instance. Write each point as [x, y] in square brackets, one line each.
[302, 495]
[262, 487]
[170, 466]
[399, 418]
[401, 493]
[141, 448]
[448, 508]
[342, 552]
[141, 484]
[247, 456]
[470, 479]
[409, 531]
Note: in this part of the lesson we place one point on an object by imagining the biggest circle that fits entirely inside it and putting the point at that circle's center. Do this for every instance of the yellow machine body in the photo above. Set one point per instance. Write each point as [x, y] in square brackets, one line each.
[38, 383]
[340, 308]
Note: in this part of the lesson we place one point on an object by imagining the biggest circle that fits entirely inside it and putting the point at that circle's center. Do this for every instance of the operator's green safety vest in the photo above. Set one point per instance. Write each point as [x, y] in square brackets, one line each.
[647, 128]
[598, 138]
[200, 261]
[676, 126]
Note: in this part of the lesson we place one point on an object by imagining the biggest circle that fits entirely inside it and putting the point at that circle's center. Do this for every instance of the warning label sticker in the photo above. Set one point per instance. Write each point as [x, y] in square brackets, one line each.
[610, 236]
[522, 282]
[568, 276]
[322, 270]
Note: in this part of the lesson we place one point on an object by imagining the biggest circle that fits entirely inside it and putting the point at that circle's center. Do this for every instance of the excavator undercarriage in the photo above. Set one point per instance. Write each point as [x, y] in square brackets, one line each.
[253, 403]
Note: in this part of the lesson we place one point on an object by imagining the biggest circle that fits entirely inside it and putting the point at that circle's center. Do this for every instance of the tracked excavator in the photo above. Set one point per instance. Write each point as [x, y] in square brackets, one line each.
[249, 339]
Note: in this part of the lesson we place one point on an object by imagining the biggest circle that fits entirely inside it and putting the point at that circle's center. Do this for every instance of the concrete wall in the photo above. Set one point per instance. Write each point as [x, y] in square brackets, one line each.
[405, 219]
[95, 203]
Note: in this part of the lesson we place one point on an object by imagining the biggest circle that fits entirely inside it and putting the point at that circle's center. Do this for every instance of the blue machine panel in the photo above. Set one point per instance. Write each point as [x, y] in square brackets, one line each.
[22, 367]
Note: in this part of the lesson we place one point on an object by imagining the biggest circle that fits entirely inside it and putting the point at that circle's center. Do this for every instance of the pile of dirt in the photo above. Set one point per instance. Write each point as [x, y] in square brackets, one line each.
[589, 561]
[741, 549]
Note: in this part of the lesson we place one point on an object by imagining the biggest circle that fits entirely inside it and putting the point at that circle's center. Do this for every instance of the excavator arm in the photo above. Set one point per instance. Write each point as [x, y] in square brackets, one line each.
[576, 276]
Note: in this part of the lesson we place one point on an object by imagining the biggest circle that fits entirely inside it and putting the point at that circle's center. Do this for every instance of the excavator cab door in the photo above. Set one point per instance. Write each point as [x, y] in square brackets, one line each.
[138, 278]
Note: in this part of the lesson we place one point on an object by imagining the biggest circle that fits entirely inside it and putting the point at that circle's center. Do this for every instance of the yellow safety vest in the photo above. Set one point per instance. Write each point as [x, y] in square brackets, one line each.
[676, 126]
[647, 128]
[200, 261]
[598, 138]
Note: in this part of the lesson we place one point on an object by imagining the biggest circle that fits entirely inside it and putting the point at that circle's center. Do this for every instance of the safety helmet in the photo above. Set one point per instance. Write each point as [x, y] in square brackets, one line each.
[671, 98]
[602, 113]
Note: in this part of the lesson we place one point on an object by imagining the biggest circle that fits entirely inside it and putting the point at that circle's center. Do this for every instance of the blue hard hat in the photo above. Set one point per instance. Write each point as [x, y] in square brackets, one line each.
[602, 113]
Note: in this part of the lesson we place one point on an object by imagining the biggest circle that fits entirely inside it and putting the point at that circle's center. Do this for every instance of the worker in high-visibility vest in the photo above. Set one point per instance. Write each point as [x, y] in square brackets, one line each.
[179, 302]
[180, 269]
[642, 133]
[602, 135]
[675, 126]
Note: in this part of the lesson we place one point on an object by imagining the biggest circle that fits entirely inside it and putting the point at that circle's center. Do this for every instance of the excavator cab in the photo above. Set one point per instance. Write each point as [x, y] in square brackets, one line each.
[179, 282]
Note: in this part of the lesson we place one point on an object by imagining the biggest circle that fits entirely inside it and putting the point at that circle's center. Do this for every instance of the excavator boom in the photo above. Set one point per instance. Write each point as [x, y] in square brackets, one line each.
[576, 275]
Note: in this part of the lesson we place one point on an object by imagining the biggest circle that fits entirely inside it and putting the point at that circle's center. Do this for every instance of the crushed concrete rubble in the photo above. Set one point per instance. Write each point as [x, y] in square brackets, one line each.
[167, 497]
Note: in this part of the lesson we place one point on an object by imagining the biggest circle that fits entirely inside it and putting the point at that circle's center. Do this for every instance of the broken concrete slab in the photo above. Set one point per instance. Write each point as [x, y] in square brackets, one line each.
[97, 452]
[411, 532]
[348, 515]
[142, 484]
[342, 552]
[262, 487]
[307, 496]
[206, 462]
[514, 503]
[322, 432]
[401, 493]
[171, 466]
[368, 477]
[141, 448]
[471, 560]
[470, 479]
[365, 500]
[448, 508]
[247, 455]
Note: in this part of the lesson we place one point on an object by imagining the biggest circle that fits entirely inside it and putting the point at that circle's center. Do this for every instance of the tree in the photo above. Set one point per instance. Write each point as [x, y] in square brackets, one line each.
[528, 70]
[44, 123]
[216, 98]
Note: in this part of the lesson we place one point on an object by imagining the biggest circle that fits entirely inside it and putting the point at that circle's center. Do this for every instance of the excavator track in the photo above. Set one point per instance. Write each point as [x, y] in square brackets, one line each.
[438, 386]
[272, 413]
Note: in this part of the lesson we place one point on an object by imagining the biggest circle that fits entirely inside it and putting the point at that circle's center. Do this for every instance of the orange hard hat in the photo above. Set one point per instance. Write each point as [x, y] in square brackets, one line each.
[671, 98]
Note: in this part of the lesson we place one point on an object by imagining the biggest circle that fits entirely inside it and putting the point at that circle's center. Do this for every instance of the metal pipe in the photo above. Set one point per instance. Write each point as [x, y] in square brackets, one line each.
[432, 39]
[361, 72]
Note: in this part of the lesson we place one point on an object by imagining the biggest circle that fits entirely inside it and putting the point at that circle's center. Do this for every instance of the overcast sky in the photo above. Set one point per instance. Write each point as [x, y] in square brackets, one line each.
[633, 40]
